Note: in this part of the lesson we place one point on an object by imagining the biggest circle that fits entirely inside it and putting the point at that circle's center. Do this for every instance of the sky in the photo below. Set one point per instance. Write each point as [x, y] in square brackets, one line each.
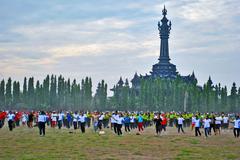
[107, 39]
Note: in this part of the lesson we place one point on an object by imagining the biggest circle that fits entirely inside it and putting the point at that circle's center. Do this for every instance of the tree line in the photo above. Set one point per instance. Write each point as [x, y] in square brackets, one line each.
[175, 95]
[57, 93]
[53, 93]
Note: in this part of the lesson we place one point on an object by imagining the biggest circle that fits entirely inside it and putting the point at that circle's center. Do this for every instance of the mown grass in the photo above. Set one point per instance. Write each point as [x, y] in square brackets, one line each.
[24, 143]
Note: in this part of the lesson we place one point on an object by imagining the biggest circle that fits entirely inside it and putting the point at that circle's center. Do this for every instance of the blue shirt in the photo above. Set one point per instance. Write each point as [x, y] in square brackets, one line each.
[140, 119]
[126, 120]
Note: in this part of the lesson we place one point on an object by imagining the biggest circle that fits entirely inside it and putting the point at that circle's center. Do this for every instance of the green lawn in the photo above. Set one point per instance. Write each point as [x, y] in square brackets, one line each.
[24, 143]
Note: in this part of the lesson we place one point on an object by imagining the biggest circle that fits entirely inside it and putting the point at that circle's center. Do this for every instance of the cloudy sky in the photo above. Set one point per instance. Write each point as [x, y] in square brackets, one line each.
[107, 39]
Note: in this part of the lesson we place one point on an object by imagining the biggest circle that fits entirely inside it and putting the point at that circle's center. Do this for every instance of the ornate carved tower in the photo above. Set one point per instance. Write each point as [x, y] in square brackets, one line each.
[164, 68]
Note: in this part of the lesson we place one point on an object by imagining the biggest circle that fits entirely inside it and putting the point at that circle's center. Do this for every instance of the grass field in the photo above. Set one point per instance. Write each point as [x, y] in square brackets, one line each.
[24, 143]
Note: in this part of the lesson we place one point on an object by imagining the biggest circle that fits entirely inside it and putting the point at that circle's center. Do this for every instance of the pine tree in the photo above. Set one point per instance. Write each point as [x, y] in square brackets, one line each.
[25, 96]
[9, 92]
[31, 92]
[233, 98]
[53, 92]
[16, 93]
[2, 94]
[46, 91]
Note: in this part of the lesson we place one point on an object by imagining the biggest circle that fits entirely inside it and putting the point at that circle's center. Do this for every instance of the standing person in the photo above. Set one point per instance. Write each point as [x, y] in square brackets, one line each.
[132, 121]
[115, 117]
[30, 120]
[197, 126]
[218, 123]
[212, 125]
[10, 118]
[140, 122]
[54, 119]
[100, 121]
[120, 121]
[113, 121]
[207, 122]
[42, 118]
[24, 119]
[75, 120]
[17, 119]
[127, 123]
[193, 121]
[69, 120]
[164, 122]
[236, 130]
[60, 119]
[180, 123]
[82, 119]
[158, 121]
[225, 122]
[3, 115]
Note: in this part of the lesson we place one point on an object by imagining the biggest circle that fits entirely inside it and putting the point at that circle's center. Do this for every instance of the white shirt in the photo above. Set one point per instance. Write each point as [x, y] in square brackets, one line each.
[54, 117]
[120, 120]
[180, 120]
[207, 123]
[24, 118]
[82, 118]
[112, 119]
[75, 117]
[10, 117]
[237, 123]
[218, 120]
[197, 122]
[193, 120]
[132, 119]
[60, 116]
[225, 120]
[42, 118]
[101, 117]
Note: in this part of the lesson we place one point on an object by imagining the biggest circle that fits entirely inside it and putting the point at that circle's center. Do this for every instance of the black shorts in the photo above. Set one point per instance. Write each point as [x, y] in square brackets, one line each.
[218, 126]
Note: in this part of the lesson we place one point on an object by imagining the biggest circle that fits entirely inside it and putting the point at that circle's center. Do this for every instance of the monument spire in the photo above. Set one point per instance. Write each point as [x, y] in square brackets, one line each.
[164, 68]
[164, 28]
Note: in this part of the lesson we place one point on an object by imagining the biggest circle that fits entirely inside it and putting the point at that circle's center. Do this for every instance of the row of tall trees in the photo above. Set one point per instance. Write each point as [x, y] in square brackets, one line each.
[53, 93]
[151, 94]
[178, 95]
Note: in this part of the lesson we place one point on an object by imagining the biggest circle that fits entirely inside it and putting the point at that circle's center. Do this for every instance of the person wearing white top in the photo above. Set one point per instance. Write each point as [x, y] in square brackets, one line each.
[225, 122]
[75, 120]
[60, 119]
[207, 122]
[113, 121]
[180, 124]
[236, 130]
[197, 126]
[193, 122]
[10, 118]
[132, 122]
[120, 121]
[100, 121]
[42, 118]
[218, 121]
[54, 119]
[24, 119]
[82, 119]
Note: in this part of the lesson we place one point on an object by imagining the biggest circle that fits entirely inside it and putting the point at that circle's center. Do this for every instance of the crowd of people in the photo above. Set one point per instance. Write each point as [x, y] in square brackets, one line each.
[210, 123]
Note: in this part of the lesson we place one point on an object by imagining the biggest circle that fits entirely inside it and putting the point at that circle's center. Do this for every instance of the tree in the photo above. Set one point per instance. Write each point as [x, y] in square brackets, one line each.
[2, 93]
[53, 92]
[100, 98]
[9, 92]
[31, 93]
[25, 96]
[16, 93]
[233, 98]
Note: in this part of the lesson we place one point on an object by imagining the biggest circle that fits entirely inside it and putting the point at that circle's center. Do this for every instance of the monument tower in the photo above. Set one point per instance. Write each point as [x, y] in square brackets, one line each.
[164, 68]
